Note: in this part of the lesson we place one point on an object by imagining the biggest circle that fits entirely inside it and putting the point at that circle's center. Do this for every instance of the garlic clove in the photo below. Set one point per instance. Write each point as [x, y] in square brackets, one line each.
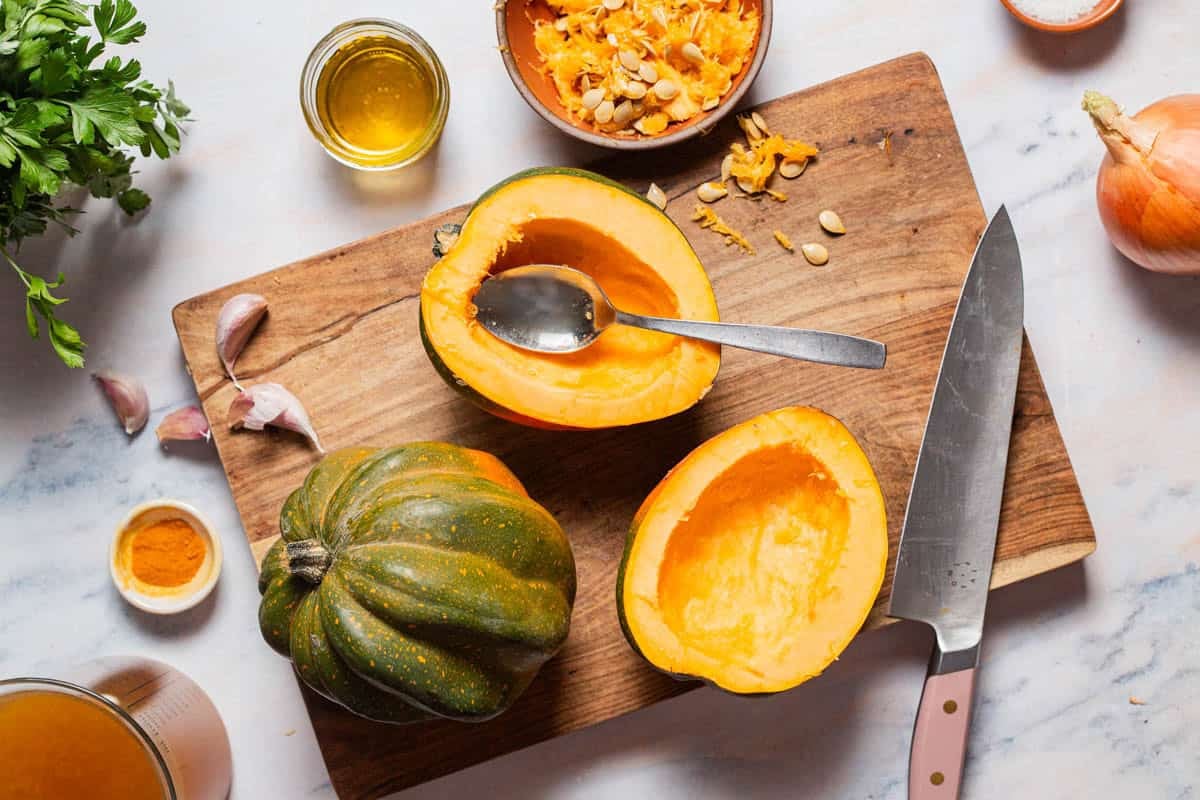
[128, 398]
[183, 424]
[238, 318]
[270, 404]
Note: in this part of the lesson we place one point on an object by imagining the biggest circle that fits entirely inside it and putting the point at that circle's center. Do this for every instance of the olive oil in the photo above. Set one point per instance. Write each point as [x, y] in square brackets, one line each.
[378, 94]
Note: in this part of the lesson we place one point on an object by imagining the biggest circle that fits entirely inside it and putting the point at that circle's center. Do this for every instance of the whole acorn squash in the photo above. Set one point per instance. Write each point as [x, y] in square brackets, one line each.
[758, 557]
[416, 581]
[632, 249]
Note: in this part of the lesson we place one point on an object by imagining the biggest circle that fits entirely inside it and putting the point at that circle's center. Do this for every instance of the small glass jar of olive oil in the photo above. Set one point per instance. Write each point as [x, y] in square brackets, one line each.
[374, 94]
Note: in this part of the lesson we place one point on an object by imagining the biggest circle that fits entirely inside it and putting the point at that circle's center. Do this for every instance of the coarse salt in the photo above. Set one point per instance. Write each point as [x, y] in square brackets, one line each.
[1055, 11]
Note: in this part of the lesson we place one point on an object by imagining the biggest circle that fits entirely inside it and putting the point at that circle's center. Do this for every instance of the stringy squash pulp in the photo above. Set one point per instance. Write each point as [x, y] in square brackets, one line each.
[635, 252]
[757, 559]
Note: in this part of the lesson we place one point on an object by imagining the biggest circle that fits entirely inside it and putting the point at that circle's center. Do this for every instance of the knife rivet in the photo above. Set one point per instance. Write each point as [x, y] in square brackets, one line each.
[937, 779]
[949, 706]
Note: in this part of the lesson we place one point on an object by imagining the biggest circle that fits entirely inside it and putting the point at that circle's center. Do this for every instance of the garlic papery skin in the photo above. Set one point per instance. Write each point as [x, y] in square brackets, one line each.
[128, 398]
[270, 404]
[183, 424]
[238, 318]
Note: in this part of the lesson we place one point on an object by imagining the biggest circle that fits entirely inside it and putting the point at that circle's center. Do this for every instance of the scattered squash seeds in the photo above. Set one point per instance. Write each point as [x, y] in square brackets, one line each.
[656, 195]
[711, 192]
[815, 254]
[831, 222]
[792, 169]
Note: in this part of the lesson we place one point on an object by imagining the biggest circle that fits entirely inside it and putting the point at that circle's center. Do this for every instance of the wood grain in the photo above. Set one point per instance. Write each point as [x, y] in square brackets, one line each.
[342, 334]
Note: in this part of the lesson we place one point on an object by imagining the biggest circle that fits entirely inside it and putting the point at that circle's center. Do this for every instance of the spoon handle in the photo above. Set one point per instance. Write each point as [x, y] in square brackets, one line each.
[819, 346]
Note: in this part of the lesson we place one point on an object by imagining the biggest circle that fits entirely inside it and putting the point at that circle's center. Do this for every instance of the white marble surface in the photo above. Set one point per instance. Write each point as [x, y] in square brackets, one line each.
[1119, 349]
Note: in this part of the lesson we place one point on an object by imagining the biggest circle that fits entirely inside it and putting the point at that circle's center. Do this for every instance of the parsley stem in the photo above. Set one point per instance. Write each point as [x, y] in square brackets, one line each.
[20, 272]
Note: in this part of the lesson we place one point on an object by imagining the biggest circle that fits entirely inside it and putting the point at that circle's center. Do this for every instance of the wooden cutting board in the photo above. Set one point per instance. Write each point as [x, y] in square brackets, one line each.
[342, 334]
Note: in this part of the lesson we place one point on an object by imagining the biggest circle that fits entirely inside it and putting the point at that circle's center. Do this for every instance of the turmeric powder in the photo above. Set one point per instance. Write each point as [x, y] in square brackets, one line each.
[167, 553]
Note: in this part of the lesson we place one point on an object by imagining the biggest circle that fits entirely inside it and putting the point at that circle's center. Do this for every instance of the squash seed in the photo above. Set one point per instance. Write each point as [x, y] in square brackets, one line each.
[759, 122]
[711, 192]
[656, 195]
[710, 103]
[604, 112]
[665, 89]
[613, 5]
[815, 254]
[660, 16]
[831, 222]
[648, 73]
[623, 113]
[747, 186]
[792, 169]
[630, 60]
[635, 90]
[592, 98]
[612, 39]
[560, 24]
[748, 127]
[692, 53]
[726, 167]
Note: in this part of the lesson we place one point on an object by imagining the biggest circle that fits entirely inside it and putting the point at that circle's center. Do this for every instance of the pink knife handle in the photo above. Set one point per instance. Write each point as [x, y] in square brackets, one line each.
[939, 746]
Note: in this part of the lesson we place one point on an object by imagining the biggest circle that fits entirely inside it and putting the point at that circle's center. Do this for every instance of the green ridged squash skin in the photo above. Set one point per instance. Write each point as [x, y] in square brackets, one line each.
[443, 587]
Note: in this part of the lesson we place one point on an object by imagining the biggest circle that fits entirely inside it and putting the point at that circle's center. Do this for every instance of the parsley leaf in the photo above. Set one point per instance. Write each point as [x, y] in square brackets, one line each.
[68, 118]
[115, 22]
[108, 111]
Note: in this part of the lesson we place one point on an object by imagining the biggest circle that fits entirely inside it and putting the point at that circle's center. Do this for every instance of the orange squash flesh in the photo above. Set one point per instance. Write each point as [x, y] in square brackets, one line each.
[638, 256]
[757, 559]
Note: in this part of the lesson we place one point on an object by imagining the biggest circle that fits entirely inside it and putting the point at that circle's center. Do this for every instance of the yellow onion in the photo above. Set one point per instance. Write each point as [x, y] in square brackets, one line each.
[1148, 189]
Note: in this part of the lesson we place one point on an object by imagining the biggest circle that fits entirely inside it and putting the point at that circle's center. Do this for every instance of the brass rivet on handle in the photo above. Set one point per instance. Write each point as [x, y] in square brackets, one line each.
[949, 706]
[937, 779]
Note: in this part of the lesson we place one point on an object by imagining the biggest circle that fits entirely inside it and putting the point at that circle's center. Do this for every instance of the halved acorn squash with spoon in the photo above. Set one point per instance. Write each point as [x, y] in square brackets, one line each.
[756, 560]
[638, 256]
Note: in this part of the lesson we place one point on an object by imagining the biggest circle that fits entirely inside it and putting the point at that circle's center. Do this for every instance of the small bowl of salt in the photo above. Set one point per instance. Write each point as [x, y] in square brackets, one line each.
[1062, 16]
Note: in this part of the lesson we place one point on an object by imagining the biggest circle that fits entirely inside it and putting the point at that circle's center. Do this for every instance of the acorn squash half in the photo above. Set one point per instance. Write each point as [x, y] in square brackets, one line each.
[758, 557]
[636, 253]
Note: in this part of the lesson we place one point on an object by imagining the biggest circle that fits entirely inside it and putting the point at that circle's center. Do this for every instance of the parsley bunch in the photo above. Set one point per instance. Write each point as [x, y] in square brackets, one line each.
[66, 119]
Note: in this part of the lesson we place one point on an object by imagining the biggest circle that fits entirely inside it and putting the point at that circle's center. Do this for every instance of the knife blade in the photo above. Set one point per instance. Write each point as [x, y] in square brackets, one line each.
[947, 544]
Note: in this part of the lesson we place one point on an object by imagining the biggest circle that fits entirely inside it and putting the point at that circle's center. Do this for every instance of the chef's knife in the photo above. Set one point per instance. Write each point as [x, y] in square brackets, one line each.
[944, 564]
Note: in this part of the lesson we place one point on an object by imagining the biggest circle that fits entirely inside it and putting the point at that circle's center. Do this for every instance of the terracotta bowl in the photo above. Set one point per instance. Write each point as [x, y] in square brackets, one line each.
[1103, 10]
[514, 30]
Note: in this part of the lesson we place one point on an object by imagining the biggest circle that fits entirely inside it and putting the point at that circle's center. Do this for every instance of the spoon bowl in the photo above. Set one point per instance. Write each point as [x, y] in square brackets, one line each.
[554, 309]
[544, 308]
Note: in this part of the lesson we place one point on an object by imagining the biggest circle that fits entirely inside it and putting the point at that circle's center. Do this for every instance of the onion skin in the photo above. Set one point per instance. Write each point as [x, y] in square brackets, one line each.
[1148, 187]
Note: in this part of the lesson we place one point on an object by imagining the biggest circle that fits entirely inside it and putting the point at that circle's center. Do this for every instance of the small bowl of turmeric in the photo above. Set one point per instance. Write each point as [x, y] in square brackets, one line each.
[633, 74]
[164, 557]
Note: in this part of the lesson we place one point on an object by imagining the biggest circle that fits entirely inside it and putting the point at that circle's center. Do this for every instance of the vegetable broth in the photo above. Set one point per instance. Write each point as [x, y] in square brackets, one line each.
[58, 745]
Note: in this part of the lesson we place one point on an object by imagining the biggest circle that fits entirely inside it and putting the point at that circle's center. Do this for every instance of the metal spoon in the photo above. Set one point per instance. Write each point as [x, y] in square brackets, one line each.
[553, 309]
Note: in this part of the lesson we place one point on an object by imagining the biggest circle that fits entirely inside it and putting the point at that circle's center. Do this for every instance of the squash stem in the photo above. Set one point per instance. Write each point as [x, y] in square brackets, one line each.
[308, 559]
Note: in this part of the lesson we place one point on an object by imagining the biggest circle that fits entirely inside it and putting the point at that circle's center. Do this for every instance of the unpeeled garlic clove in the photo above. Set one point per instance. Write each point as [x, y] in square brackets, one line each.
[183, 424]
[270, 404]
[128, 398]
[238, 318]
